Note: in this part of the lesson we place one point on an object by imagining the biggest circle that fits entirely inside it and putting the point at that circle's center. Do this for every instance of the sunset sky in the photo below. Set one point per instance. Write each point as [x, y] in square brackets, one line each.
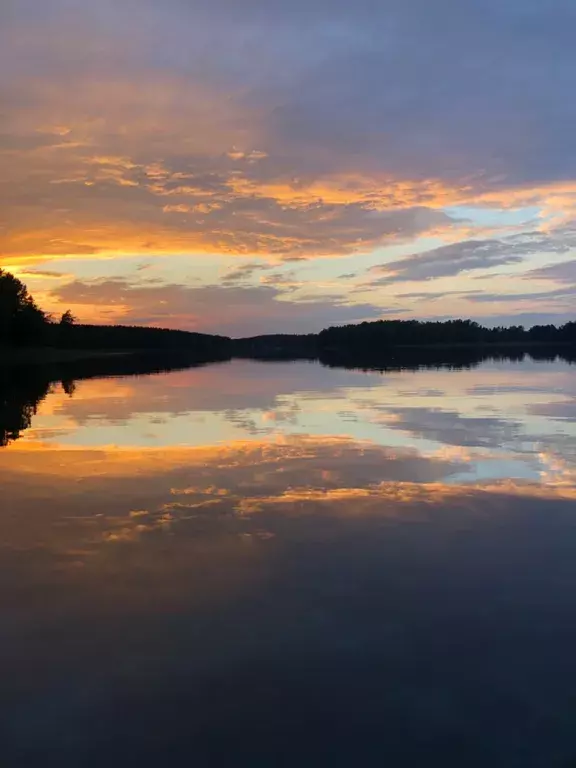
[253, 166]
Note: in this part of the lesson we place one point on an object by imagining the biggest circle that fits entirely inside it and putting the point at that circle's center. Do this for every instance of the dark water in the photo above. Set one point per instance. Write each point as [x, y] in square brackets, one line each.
[280, 564]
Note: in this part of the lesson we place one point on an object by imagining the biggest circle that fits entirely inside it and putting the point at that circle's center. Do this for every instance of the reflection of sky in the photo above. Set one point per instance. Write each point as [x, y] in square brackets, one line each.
[209, 556]
[503, 419]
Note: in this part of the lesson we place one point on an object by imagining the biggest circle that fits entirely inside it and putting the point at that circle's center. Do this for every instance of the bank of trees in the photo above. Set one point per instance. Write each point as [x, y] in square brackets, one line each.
[382, 334]
[21, 320]
[23, 323]
[137, 337]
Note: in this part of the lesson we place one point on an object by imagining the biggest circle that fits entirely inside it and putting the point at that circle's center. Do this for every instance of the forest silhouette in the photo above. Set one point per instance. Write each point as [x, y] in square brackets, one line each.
[378, 344]
[24, 324]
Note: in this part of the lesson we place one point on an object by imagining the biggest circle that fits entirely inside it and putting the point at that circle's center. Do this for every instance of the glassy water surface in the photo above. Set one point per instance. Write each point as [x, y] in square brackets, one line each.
[283, 564]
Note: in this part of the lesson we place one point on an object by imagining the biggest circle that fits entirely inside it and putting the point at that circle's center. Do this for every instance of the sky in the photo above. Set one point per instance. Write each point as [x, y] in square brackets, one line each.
[265, 166]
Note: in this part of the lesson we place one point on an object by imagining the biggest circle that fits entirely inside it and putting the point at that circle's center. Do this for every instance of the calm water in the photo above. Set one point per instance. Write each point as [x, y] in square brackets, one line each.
[280, 564]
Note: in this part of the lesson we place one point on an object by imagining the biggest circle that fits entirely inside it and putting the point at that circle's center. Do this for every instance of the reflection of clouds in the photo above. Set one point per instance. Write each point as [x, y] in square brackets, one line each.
[390, 499]
[454, 453]
[562, 411]
[117, 496]
[286, 569]
[141, 522]
[242, 385]
[110, 494]
[400, 501]
[556, 471]
[282, 416]
[451, 428]
[501, 416]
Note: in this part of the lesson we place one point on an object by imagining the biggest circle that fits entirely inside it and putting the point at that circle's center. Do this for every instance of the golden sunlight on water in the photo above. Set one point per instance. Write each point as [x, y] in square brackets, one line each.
[265, 540]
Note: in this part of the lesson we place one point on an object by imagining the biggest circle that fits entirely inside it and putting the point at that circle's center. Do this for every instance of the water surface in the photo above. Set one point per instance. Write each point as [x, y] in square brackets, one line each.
[282, 564]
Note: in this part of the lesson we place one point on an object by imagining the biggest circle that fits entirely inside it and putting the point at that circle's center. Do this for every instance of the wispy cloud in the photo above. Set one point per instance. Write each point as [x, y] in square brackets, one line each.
[468, 255]
[565, 272]
[231, 310]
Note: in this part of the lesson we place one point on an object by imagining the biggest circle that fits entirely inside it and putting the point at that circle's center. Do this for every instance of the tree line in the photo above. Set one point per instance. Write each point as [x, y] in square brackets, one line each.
[24, 323]
[383, 334]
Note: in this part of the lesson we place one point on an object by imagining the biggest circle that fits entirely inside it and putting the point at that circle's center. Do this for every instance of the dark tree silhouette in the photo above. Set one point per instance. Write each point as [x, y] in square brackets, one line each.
[67, 319]
[69, 387]
[385, 335]
[23, 323]
[21, 320]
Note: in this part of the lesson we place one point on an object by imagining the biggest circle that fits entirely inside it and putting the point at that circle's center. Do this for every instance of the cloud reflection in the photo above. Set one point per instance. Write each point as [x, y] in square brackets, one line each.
[338, 552]
[111, 496]
[235, 449]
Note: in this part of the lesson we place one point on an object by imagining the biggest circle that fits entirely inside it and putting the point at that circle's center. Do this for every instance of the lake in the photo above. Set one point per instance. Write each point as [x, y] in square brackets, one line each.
[284, 564]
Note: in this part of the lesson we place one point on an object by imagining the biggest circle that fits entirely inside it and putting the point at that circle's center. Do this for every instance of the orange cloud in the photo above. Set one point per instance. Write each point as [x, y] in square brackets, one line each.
[88, 167]
[156, 164]
[120, 154]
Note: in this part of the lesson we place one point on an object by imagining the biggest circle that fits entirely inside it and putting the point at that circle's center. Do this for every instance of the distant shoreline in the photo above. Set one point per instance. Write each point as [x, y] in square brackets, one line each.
[29, 336]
